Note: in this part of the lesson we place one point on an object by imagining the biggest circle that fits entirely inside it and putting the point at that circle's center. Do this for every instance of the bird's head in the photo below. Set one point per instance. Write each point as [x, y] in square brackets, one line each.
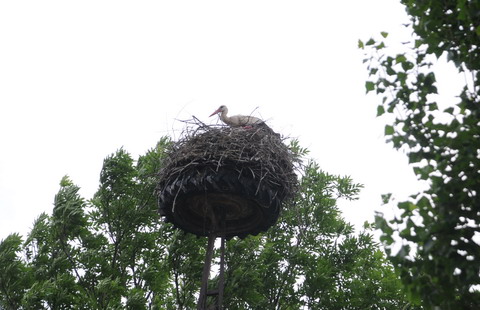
[221, 109]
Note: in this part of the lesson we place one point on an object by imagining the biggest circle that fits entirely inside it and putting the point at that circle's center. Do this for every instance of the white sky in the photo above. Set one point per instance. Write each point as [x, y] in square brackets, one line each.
[80, 79]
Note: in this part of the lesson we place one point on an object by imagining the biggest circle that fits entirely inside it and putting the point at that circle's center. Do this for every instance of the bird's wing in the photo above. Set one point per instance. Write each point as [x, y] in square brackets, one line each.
[248, 120]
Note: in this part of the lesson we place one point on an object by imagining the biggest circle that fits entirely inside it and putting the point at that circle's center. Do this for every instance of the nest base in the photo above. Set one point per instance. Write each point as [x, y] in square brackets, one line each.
[202, 214]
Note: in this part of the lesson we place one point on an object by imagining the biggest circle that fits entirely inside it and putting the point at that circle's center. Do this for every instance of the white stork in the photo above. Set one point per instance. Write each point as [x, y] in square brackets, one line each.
[236, 120]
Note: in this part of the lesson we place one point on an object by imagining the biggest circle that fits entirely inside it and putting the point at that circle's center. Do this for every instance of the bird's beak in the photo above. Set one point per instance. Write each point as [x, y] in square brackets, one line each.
[216, 111]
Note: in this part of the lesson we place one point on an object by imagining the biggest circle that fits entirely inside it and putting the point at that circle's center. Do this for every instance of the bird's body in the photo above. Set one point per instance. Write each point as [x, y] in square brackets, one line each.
[236, 120]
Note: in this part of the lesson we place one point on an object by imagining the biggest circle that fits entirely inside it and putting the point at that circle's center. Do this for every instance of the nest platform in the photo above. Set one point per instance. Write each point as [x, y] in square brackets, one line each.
[224, 180]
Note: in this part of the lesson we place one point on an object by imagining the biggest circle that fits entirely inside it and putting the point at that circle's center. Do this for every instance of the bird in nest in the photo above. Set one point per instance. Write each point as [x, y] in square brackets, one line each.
[237, 120]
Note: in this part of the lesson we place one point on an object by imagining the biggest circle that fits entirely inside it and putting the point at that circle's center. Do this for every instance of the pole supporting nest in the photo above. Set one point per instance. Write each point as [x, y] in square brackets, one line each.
[216, 294]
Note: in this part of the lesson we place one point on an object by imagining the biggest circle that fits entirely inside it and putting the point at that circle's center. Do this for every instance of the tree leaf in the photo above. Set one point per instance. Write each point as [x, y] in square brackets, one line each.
[380, 110]
[369, 86]
[360, 44]
[371, 41]
[389, 130]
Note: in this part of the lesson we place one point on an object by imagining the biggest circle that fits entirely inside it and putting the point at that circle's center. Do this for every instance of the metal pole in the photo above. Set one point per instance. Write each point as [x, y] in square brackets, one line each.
[221, 276]
[204, 292]
[202, 299]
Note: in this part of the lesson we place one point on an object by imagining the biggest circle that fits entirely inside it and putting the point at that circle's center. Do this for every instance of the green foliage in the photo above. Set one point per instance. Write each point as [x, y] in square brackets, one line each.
[15, 276]
[311, 258]
[113, 252]
[439, 257]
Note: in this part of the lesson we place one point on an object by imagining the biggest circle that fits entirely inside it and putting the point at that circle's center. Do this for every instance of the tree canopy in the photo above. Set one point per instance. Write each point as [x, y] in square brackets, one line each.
[114, 252]
[438, 228]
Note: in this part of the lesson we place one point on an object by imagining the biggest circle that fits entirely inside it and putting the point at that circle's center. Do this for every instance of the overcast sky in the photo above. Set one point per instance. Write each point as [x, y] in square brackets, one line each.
[80, 79]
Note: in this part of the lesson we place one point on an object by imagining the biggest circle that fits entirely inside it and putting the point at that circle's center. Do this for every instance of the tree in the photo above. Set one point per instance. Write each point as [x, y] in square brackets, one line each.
[439, 256]
[312, 259]
[114, 252]
[14, 274]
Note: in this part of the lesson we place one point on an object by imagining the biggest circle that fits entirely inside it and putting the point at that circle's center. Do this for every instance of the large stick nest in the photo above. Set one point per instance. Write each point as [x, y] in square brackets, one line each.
[255, 155]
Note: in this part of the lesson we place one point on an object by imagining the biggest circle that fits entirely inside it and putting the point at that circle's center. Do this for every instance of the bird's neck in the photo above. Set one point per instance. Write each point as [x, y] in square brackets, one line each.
[224, 116]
